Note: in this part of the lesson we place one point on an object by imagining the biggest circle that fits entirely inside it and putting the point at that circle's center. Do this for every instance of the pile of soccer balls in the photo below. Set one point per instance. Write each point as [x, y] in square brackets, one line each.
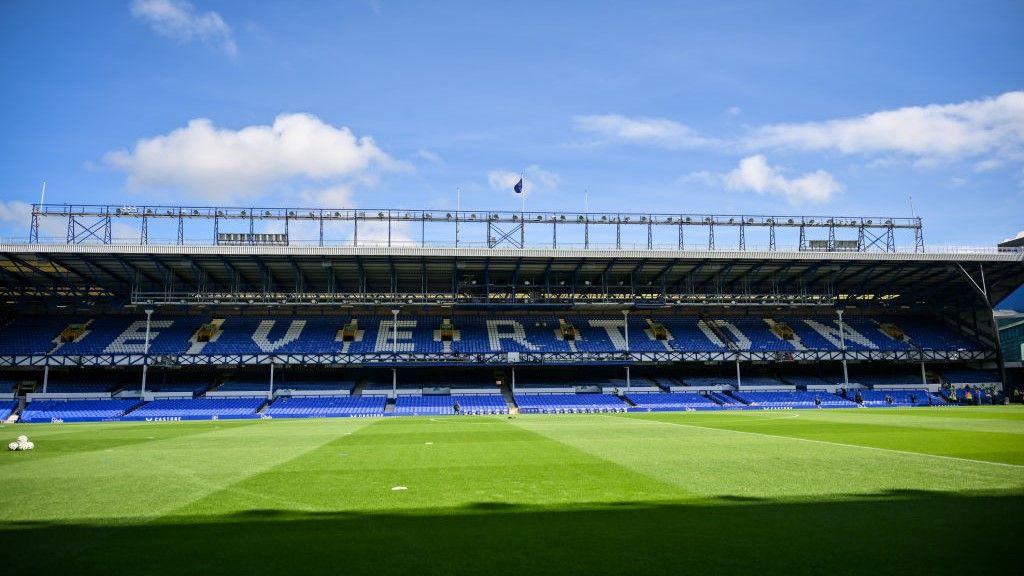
[21, 444]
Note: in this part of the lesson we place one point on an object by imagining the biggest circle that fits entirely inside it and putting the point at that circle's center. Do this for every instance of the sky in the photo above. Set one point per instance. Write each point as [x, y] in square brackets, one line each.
[838, 108]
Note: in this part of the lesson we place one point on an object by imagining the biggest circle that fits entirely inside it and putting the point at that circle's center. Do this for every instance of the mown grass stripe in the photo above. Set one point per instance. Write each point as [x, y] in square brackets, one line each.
[828, 442]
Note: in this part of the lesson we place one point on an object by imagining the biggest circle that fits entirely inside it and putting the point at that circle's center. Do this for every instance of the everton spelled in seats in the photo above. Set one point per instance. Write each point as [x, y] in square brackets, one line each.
[470, 334]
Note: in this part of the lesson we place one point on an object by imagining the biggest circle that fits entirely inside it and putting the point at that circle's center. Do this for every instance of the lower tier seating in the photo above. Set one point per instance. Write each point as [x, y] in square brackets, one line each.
[481, 404]
[561, 403]
[672, 401]
[7, 407]
[76, 410]
[326, 406]
[900, 398]
[197, 409]
[792, 399]
[424, 405]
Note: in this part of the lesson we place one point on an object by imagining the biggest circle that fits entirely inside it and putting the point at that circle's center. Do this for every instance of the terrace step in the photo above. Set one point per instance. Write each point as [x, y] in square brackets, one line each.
[134, 408]
[389, 408]
[264, 406]
[510, 400]
[359, 387]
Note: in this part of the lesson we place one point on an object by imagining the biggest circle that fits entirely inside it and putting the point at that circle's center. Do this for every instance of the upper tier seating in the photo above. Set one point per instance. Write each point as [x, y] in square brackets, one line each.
[473, 334]
[121, 335]
[326, 406]
[32, 334]
[76, 410]
[547, 403]
[197, 409]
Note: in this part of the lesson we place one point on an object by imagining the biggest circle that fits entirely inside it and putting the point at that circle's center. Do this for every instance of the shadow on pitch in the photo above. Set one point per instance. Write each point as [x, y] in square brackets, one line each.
[898, 532]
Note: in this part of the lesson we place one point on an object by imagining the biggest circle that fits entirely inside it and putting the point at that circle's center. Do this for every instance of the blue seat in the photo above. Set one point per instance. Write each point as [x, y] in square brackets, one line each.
[76, 410]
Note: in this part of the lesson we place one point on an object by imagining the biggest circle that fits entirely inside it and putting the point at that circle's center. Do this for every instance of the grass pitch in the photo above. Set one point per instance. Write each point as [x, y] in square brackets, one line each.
[797, 492]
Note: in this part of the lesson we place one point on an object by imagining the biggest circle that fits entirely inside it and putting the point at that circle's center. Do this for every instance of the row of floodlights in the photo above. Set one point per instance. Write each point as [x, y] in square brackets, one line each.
[128, 210]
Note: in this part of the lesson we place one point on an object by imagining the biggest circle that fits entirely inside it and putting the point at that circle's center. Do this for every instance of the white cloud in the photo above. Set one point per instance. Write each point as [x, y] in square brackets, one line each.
[219, 164]
[16, 217]
[660, 132]
[756, 175]
[988, 127]
[339, 196]
[537, 180]
[179, 20]
[430, 156]
[734, 111]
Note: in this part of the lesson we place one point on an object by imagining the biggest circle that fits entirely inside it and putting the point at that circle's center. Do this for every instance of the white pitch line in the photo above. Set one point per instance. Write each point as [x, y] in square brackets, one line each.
[892, 450]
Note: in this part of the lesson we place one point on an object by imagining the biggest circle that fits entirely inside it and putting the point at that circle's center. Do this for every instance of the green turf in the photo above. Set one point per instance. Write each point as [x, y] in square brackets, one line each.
[929, 491]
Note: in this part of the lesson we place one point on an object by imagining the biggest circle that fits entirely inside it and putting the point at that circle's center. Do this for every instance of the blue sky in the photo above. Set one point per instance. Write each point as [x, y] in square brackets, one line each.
[731, 107]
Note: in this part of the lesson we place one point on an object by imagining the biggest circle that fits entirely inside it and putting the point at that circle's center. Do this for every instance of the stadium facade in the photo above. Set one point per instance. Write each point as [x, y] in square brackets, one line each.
[432, 311]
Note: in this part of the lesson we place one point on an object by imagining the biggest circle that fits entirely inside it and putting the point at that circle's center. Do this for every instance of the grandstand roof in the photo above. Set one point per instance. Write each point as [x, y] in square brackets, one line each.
[495, 275]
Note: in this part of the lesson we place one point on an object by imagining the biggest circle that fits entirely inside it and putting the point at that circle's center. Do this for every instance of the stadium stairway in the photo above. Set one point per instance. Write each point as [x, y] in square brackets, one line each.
[726, 397]
[134, 408]
[510, 399]
[15, 414]
[357, 390]
[389, 408]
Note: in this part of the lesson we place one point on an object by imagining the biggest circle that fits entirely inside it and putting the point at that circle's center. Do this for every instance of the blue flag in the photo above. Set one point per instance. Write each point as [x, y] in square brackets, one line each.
[518, 187]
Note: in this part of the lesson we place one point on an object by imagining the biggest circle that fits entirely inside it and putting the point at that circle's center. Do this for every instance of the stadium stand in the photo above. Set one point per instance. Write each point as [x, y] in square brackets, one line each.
[197, 409]
[7, 407]
[326, 407]
[667, 402]
[502, 333]
[76, 410]
[792, 399]
[424, 405]
[568, 403]
[480, 404]
[902, 397]
[569, 332]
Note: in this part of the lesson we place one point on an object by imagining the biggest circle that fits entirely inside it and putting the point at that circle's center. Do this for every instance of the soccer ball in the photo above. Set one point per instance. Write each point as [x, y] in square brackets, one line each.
[22, 438]
[12, 446]
[30, 445]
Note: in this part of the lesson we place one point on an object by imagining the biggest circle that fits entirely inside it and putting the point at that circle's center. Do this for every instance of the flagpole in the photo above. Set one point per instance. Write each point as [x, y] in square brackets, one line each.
[522, 176]
[458, 208]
